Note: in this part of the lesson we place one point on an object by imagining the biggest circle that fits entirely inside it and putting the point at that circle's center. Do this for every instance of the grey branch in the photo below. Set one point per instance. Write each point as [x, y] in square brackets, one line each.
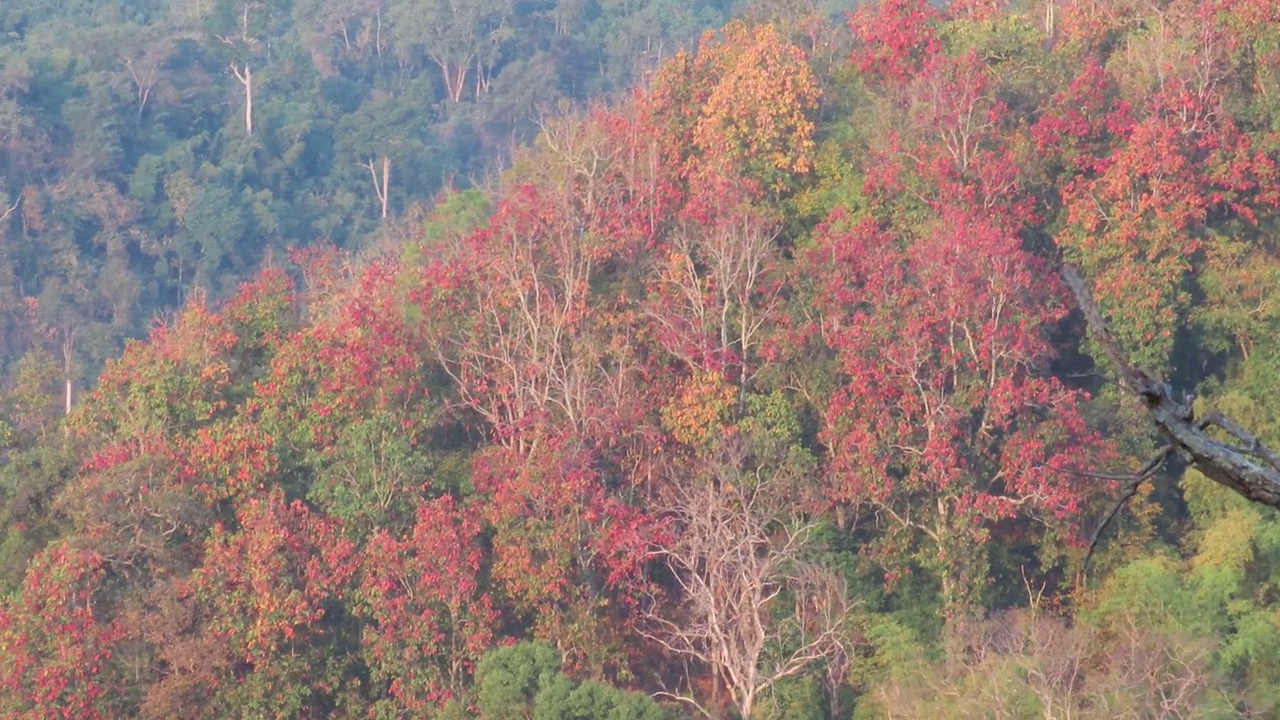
[1252, 470]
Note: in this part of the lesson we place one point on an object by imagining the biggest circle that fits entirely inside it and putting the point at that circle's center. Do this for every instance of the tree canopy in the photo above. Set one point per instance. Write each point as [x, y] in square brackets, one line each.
[754, 389]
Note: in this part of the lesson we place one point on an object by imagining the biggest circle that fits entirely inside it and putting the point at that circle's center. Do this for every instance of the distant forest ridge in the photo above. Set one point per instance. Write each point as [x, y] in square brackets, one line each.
[152, 150]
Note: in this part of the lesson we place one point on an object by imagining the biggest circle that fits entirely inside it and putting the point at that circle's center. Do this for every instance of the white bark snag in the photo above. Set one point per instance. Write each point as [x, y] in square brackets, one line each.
[144, 79]
[68, 351]
[751, 609]
[1250, 468]
[246, 79]
[455, 74]
[380, 188]
[384, 189]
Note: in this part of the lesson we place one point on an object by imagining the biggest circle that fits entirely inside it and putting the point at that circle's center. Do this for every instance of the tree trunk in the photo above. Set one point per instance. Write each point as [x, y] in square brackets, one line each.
[386, 184]
[483, 79]
[68, 350]
[455, 77]
[246, 79]
[381, 188]
[1050, 25]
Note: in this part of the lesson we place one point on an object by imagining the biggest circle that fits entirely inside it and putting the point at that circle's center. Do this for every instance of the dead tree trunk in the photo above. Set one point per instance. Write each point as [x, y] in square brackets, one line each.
[1244, 465]
[380, 188]
[246, 79]
[737, 556]
[68, 353]
[455, 75]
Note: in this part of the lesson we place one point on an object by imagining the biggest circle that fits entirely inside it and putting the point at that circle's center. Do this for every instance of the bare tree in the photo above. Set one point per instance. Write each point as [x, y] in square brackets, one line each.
[1151, 675]
[748, 605]
[714, 294]
[145, 64]
[248, 44]
[1071, 668]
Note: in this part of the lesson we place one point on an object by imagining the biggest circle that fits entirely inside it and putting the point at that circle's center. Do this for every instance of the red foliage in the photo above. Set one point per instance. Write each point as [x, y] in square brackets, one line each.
[56, 646]
[358, 355]
[946, 418]
[895, 38]
[1140, 194]
[1078, 123]
[952, 148]
[266, 583]
[431, 619]
[564, 547]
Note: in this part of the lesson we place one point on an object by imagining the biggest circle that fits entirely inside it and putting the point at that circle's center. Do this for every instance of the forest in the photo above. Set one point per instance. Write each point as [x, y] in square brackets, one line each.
[611, 360]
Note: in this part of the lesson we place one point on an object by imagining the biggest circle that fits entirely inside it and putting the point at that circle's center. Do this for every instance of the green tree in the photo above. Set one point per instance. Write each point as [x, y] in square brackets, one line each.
[525, 681]
[463, 38]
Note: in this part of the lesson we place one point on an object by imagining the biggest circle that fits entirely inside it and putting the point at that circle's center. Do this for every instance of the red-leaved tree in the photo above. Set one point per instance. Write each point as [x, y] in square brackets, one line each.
[56, 645]
[430, 617]
[946, 421]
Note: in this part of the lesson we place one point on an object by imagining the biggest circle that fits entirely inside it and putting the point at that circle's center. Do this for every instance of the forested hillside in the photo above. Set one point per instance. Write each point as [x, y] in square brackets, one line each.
[152, 149]
[753, 392]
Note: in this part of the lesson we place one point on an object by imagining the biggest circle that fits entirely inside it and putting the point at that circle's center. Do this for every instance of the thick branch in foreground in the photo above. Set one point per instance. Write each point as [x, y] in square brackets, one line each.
[1250, 468]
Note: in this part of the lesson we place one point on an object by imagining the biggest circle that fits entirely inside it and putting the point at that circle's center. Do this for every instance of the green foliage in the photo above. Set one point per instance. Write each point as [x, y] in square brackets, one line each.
[793, 699]
[31, 480]
[456, 216]
[371, 475]
[139, 185]
[525, 681]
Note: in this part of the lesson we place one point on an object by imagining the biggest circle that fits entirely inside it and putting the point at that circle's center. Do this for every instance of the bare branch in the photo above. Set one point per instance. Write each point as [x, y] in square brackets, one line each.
[1225, 464]
[9, 210]
[1255, 448]
[685, 699]
[1130, 489]
[738, 551]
